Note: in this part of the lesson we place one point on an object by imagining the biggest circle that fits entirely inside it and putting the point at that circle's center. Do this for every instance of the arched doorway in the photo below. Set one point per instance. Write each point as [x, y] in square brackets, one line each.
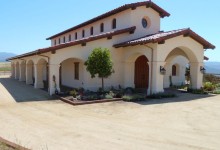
[141, 77]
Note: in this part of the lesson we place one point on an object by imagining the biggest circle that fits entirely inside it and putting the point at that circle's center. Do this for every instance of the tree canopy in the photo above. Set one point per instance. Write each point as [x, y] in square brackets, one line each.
[100, 63]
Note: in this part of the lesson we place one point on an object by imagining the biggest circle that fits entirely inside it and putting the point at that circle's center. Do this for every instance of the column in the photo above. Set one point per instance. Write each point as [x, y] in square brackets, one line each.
[29, 75]
[54, 78]
[38, 71]
[196, 75]
[157, 78]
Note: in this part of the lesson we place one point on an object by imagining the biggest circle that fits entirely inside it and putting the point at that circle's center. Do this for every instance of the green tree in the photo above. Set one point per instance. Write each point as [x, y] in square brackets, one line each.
[100, 63]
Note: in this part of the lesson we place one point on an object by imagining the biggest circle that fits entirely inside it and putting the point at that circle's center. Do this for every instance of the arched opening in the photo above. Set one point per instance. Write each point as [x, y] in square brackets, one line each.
[114, 23]
[17, 72]
[141, 77]
[174, 70]
[176, 62]
[102, 27]
[12, 70]
[23, 71]
[30, 79]
[71, 75]
[42, 74]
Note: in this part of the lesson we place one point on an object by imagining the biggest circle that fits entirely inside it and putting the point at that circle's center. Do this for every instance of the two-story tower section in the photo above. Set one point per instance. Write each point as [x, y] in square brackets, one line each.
[144, 17]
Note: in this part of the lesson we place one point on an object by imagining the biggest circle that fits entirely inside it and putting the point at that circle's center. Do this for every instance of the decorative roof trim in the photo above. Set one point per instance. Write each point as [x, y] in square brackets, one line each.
[162, 36]
[73, 43]
[148, 4]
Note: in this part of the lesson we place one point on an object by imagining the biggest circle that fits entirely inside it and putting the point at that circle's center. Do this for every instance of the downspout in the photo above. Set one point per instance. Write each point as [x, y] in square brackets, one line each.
[151, 79]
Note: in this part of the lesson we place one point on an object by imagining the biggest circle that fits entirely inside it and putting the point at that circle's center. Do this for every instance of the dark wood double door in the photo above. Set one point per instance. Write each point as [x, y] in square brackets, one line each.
[141, 77]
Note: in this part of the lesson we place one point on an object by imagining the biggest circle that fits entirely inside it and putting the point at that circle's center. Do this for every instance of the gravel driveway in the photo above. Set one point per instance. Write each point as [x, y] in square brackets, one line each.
[189, 122]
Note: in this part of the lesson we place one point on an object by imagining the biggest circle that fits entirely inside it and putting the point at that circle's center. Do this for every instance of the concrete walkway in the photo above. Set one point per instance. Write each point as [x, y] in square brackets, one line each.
[12, 90]
[189, 122]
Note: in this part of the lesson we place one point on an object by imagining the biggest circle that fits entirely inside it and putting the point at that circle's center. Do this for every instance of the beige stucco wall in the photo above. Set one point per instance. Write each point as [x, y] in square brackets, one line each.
[125, 19]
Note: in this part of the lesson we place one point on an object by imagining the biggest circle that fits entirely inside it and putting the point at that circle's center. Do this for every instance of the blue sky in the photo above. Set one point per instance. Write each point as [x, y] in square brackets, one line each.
[26, 24]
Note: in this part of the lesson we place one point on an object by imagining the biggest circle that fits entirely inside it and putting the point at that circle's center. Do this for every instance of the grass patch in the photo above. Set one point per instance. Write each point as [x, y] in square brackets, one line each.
[5, 69]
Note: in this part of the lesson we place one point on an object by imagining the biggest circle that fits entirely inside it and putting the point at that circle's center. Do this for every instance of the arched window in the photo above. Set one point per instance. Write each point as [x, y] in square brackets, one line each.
[102, 27]
[55, 42]
[114, 23]
[59, 40]
[91, 31]
[64, 39]
[83, 33]
[76, 36]
[70, 38]
[174, 70]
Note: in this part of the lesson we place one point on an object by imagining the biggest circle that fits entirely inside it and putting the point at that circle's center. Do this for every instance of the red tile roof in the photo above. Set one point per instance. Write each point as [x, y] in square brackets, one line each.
[150, 4]
[77, 42]
[206, 58]
[162, 36]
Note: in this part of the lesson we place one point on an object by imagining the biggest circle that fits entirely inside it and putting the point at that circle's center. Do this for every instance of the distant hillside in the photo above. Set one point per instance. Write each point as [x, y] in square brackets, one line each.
[212, 67]
[4, 56]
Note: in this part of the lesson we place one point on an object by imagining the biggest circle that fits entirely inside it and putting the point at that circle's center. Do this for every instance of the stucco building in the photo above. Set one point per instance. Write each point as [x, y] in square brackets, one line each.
[139, 49]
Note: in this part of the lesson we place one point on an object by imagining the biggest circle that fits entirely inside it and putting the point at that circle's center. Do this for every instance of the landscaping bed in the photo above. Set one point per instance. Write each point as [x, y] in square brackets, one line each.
[81, 97]
[7, 145]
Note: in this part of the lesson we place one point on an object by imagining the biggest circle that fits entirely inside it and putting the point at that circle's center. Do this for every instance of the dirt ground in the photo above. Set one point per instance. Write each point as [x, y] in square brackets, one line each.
[189, 122]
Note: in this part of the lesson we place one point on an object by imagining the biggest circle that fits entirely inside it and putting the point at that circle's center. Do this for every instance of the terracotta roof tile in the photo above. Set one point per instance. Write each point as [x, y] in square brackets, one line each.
[150, 4]
[162, 36]
[77, 42]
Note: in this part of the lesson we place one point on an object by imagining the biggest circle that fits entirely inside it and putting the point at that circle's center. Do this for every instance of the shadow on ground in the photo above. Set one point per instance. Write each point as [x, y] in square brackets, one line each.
[181, 97]
[22, 92]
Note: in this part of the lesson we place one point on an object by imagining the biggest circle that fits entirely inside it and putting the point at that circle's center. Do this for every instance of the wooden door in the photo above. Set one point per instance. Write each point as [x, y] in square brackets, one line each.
[141, 78]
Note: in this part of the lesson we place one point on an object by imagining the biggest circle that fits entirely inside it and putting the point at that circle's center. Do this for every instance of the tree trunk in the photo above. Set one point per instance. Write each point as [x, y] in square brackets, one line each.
[102, 84]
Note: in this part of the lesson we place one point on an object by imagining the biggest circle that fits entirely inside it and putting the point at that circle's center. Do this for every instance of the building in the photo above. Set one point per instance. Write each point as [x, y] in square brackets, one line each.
[141, 52]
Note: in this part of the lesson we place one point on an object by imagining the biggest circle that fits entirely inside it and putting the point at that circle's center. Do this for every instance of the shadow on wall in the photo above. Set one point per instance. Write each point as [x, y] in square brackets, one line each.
[22, 92]
[181, 97]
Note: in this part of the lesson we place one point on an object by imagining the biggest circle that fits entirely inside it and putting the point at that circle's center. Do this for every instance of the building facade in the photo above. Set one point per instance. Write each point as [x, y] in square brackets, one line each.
[141, 52]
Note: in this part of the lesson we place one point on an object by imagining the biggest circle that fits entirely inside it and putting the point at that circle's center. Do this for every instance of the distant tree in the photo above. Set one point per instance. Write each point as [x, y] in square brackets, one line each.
[100, 63]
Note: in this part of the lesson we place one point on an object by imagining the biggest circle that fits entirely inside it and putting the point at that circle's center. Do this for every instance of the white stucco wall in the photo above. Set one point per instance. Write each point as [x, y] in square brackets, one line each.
[179, 79]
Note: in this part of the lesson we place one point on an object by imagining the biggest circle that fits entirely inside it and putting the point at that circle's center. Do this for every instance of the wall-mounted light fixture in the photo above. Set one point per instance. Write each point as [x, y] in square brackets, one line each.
[202, 69]
[162, 70]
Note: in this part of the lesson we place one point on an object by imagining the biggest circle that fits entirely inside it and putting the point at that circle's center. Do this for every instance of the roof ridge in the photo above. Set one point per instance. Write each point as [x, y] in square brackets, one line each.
[151, 4]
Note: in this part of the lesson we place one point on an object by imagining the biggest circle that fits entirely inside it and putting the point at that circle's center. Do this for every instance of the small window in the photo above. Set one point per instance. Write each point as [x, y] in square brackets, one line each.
[64, 39]
[70, 38]
[83, 33]
[55, 42]
[76, 70]
[174, 70]
[91, 31]
[76, 36]
[114, 24]
[59, 40]
[102, 27]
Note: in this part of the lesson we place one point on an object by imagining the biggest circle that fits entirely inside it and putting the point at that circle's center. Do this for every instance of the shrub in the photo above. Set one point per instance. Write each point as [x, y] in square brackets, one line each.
[216, 92]
[134, 97]
[73, 93]
[108, 96]
[199, 91]
[208, 86]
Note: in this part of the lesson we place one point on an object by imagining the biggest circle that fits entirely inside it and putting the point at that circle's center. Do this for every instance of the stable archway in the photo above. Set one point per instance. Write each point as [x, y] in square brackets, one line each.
[41, 74]
[17, 71]
[23, 71]
[30, 79]
[181, 56]
[71, 73]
